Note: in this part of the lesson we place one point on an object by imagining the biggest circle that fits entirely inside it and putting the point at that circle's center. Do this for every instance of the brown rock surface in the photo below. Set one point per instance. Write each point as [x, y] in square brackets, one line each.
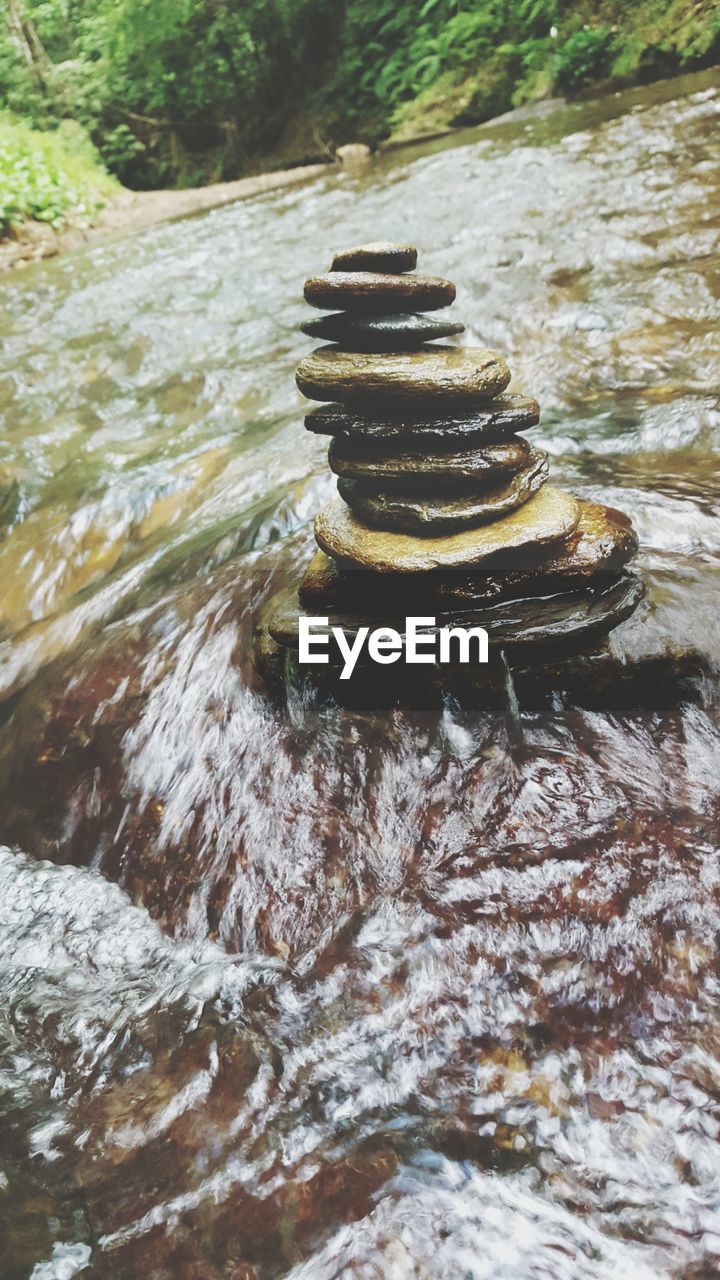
[417, 429]
[428, 512]
[377, 291]
[380, 255]
[602, 544]
[408, 470]
[533, 621]
[450, 373]
[549, 516]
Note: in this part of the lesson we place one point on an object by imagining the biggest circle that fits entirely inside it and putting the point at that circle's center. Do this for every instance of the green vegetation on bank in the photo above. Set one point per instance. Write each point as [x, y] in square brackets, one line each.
[450, 63]
[49, 176]
[178, 92]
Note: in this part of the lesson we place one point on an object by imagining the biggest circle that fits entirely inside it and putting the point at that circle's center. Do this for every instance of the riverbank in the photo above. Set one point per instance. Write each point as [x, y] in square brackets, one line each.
[130, 211]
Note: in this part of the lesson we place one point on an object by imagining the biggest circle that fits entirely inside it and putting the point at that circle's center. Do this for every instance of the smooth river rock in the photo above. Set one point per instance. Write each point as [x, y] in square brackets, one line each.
[408, 471]
[534, 621]
[375, 291]
[417, 430]
[415, 513]
[550, 515]
[381, 255]
[600, 547]
[380, 333]
[447, 373]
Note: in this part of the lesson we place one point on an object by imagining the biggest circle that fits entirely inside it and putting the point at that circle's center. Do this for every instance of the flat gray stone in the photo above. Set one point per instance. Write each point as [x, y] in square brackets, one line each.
[408, 471]
[451, 374]
[413, 513]
[380, 333]
[376, 292]
[420, 429]
[380, 255]
[550, 515]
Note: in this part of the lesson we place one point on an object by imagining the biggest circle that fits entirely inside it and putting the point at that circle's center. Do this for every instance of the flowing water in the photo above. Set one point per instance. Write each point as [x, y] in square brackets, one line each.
[296, 989]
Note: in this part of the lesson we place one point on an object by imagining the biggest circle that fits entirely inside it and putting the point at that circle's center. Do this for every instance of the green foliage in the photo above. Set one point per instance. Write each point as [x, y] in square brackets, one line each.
[586, 55]
[48, 176]
[179, 91]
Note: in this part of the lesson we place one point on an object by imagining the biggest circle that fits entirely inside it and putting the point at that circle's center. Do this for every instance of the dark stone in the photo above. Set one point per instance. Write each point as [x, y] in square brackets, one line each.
[381, 255]
[380, 333]
[600, 547]
[377, 292]
[549, 516]
[452, 374]
[409, 471]
[437, 428]
[587, 672]
[415, 513]
[537, 621]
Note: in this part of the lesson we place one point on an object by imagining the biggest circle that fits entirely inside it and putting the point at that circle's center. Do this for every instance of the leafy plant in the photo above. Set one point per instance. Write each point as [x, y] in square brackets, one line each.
[174, 91]
[586, 55]
[48, 176]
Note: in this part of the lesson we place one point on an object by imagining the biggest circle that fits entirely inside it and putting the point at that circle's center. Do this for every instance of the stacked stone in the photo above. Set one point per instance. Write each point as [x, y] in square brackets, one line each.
[443, 508]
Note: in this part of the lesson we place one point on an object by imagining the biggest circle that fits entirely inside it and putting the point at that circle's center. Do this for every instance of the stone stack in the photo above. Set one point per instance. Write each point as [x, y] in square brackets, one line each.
[443, 508]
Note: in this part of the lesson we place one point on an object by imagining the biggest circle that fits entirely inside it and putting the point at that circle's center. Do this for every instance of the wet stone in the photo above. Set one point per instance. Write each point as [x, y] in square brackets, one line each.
[416, 429]
[538, 621]
[415, 513]
[375, 291]
[380, 333]
[380, 255]
[410, 470]
[602, 544]
[549, 516]
[448, 373]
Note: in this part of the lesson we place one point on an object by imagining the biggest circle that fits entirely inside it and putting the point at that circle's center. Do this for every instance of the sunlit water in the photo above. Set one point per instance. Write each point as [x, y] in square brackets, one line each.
[296, 990]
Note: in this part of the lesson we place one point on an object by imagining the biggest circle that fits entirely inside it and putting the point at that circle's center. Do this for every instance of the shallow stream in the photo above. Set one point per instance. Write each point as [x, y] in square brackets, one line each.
[296, 990]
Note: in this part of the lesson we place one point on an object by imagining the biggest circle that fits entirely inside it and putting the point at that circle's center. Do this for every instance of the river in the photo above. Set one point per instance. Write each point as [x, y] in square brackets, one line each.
[292, 989]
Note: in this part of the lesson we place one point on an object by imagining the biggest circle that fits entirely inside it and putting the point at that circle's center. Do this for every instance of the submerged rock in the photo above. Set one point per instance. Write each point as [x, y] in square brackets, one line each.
[550, 515]
[376, 291]
[417, 513]
[410, 470]
[448, 373]
[440, 427]
[380, 333]
[380, 255]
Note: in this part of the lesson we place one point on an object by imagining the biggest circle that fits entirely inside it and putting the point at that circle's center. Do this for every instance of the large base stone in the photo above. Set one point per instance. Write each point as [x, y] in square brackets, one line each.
[602, 544]
[534, 623]
[549, 516]
[592, 675]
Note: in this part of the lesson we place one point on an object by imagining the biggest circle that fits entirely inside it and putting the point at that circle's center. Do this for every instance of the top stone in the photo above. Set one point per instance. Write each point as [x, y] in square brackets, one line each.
[375, 291]
[382, 255]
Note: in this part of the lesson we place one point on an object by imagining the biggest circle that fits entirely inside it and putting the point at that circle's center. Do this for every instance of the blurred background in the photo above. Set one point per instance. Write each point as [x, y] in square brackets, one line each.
[179, 93]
